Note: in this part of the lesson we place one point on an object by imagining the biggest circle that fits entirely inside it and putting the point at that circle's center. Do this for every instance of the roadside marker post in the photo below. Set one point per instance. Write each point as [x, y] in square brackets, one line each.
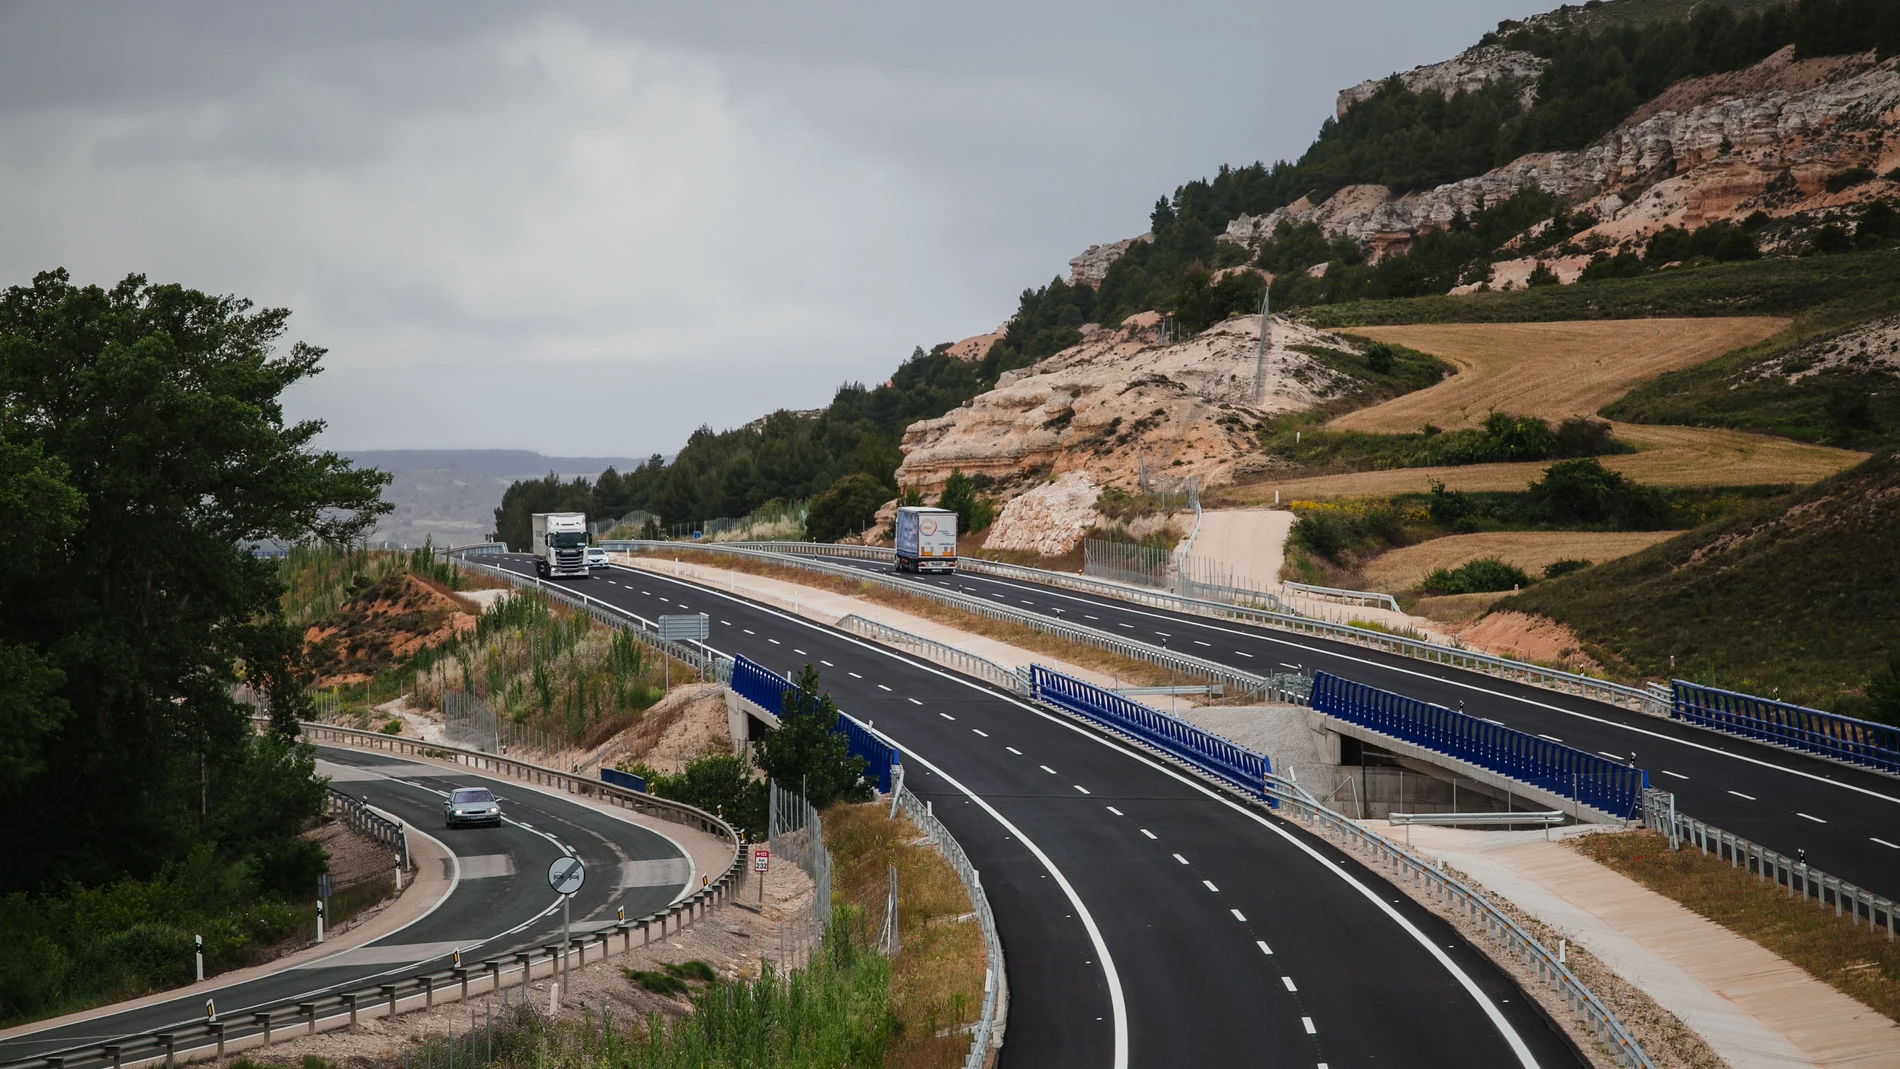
[761, 864]
[198, 955]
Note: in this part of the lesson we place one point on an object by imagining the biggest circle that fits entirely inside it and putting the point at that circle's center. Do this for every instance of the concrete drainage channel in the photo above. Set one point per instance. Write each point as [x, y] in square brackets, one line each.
[256, 1029]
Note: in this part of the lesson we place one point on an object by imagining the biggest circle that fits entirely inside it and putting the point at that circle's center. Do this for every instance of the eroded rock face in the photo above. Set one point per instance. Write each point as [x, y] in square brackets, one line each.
[1092, 266]
[1766, 138]
[1468, 71]
[1050, 519]
[1117, 400]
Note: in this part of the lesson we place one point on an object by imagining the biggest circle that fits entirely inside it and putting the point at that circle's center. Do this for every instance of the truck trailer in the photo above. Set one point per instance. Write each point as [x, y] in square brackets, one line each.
[926, 540]
[560, 545]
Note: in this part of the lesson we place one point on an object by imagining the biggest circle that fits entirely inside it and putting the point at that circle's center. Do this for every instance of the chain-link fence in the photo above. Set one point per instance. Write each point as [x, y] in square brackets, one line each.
[468, 722]
[797, 835]
[1125, 562]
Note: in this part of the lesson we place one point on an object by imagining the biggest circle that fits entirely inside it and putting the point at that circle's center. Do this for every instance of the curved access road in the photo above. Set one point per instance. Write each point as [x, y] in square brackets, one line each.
[1844, 818]
[1146, 918]
[498, 902]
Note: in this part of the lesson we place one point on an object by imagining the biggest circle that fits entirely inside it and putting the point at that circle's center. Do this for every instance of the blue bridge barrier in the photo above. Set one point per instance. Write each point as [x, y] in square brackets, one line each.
[1210, 753]
[1595, 781]
[1797, 727]
[623, 779]
[760, 686]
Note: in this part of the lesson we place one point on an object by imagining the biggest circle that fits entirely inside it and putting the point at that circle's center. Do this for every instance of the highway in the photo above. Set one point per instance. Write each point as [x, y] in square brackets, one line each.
[1848, 820]
[499, 900]
[1146, 918]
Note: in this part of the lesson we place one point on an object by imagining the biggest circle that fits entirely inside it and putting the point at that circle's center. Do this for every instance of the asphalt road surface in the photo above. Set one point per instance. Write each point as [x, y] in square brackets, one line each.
[1848, 820]
[499, 900]
[1146, 918]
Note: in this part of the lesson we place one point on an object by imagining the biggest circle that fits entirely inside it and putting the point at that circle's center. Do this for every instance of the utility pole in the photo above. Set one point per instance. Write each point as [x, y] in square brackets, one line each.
[1260, 363]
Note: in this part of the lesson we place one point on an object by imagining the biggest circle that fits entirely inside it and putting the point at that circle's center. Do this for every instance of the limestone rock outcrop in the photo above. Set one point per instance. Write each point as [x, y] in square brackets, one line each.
[1092, 266]
[1050, 519]
[1468, 71]
[1118, 402]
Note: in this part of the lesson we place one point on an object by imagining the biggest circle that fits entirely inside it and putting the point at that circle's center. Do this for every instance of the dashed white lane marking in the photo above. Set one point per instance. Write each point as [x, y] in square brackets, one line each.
[800, 652]
[728, 623]
[826, 663]
[1238, 915]
[1885, 843]
[1606, 753]
[981, 732]
[1739, 794]
[883, 688]
[1308, 1022]
[1210, 886]
[1295, 667]
[1264, 948]
[914, 701]
[1164, 634]
[1129, 626]
[1047, 769]
[1091, 617]
[1115, 811]
[1488, 720]
[1148, 833]
[1288, 981]
[1817, 820]
[1198, 642]
[852, 674]
[1249, 656]
[1014, 750]
[1081, 788]
[1552, 738]
[946, 716]
[775, 642]
[1678, 775]
[748, 631]
[1181, 859]
[648, 593]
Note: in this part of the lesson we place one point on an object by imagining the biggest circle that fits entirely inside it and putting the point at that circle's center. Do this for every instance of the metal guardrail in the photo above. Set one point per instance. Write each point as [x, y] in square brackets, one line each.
[342, 1006]
[1536, 675]
[1402, 866]
[703, 659]
[1235, 764]
[1660, 815]
[1244, 682]
[940, 652]
[365, 821]
[1592, 780]
[1454, 820]
[1346, 597]
[988, 1031]
[758, 685]
[1792, 727]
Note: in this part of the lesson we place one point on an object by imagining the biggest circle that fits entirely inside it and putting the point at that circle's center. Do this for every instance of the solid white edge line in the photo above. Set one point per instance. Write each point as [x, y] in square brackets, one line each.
[1118, 1000]
[1263, 635]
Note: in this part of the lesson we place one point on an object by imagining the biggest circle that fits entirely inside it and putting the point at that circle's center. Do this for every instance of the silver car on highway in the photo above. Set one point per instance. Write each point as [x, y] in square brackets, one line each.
[469, 806]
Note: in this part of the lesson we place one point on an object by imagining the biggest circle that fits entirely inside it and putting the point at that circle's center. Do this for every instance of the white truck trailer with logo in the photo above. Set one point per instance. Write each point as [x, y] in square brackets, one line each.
[560, 545]
[926, 540]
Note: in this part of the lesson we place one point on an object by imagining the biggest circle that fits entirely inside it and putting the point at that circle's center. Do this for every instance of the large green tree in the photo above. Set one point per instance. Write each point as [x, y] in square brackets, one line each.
[143, 444]
[807, 752]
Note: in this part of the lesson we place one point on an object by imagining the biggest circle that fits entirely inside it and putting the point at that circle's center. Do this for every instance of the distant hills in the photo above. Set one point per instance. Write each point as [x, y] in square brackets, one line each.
[450, 494]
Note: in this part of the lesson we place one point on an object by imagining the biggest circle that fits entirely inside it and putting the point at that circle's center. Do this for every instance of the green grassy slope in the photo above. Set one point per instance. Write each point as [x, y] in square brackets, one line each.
[1801, 594]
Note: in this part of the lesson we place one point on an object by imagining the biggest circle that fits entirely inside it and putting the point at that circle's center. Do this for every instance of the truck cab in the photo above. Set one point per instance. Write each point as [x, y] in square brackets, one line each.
[560, 545]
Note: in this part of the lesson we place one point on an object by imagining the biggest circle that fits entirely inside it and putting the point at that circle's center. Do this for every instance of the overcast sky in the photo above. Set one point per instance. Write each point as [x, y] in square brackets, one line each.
[589, 229]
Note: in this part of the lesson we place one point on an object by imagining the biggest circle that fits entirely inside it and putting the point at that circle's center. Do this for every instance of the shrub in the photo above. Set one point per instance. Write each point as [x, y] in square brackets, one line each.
[1481, 576]
[720, 784]
[1541, 275]
[1849, 178]
[1379, 358]
[1583, 491]
[1564, 567]
[1830, 240]
[1582, 437]
[845, 507]
[1603, 265]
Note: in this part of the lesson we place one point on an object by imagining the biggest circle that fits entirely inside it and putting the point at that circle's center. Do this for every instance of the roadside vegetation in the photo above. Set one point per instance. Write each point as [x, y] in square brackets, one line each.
[1791, 594]
[1858, 961]
[143, 806]
[1301, 439]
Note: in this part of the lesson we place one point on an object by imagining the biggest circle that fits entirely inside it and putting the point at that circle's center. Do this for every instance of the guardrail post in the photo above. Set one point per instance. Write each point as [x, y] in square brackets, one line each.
[165, 1039]
[262, 1020]
[389, 992]
[493, 968]
[309, 1011]
[115, 1053]
[217, 1032]
[349, 1001]
[428, 992]
[526, 960]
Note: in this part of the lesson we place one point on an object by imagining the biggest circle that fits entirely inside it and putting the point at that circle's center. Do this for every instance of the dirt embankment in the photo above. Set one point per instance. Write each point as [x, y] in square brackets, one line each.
[689, 722]
[386, 622]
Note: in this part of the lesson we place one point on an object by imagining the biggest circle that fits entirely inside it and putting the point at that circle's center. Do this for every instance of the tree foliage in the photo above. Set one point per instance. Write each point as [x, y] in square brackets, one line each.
[806, 753]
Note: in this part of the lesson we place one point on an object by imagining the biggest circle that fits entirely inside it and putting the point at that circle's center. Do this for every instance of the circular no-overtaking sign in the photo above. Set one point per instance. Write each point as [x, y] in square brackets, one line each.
[566, 875]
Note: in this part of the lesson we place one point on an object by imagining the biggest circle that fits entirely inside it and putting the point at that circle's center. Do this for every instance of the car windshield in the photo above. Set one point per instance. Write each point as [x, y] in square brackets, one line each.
[474, 794]
[567, 540]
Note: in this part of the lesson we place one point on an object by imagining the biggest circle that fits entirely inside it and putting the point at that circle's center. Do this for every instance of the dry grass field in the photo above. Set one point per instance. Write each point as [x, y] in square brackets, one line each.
[1403, 569]
[1553, 370]
[1559, 370]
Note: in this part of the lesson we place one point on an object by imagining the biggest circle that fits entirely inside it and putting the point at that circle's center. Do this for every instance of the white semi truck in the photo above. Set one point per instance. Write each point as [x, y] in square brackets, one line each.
[560, 545]
[926, 540]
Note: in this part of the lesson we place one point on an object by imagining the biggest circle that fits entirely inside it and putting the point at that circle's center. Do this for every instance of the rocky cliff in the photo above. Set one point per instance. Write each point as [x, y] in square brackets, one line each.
[1118, 401]
[1468, 71]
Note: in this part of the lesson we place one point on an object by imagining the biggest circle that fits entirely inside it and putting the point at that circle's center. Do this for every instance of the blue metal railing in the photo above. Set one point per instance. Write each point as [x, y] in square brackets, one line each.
[1210, 753]
[1797, 727]
[1594, 781]
[758, 685]
[623, 779]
